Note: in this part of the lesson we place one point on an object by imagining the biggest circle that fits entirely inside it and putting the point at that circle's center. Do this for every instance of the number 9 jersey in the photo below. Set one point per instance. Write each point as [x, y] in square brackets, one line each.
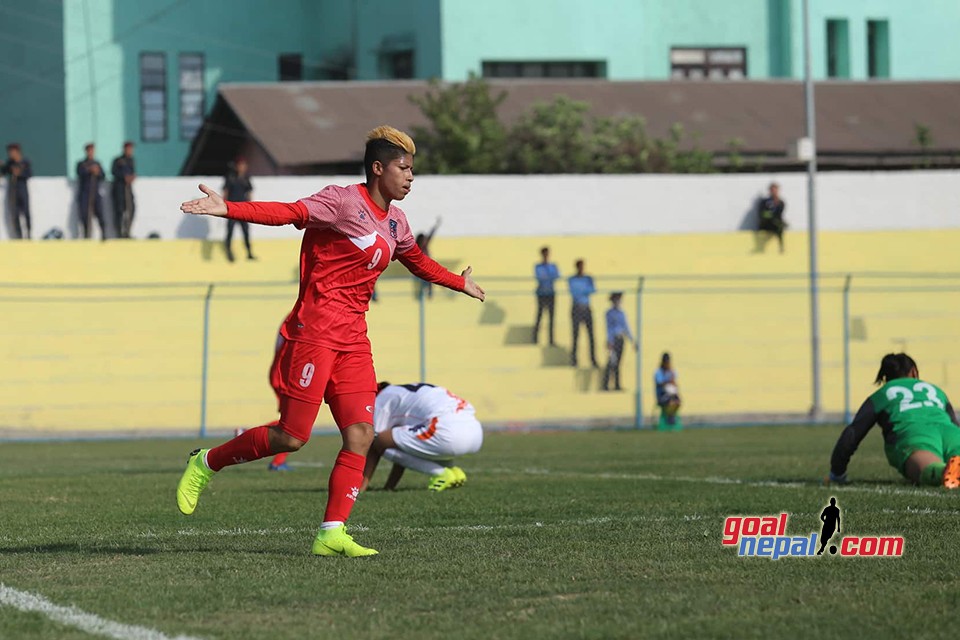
[348, 243]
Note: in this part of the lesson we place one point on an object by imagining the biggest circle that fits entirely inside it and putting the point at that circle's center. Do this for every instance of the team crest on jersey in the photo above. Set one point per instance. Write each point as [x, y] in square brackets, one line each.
[363, 215]
[393, 228]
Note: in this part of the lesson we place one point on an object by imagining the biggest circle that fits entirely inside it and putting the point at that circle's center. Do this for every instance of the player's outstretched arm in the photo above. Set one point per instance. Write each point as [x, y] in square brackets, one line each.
[268, 213]
[426, 268]
[210, 205]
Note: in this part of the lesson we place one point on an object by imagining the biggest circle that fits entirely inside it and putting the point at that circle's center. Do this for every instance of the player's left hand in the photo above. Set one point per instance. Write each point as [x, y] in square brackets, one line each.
[470, 287]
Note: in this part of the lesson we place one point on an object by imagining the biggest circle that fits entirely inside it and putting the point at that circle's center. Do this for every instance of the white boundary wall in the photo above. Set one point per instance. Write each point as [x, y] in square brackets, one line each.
[558, 204]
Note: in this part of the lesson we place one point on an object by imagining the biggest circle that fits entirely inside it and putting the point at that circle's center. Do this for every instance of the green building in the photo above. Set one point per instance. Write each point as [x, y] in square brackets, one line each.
[106, 71]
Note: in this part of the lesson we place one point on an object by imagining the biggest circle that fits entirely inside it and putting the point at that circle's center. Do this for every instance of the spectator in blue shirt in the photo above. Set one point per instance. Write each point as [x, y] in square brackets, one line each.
[668, 394]
[617, 332]
[581, 286]
[546, 274]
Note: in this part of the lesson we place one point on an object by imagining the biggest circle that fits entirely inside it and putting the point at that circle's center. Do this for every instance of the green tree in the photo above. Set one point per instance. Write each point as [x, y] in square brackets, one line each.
[621, 145]
[735, 155]
[464, 134]
[924, 139]
[551, 138]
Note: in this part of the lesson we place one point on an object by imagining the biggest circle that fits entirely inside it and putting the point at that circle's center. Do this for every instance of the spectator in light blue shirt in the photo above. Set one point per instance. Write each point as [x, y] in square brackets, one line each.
[546, 273]
[581, 286]
[617, 332]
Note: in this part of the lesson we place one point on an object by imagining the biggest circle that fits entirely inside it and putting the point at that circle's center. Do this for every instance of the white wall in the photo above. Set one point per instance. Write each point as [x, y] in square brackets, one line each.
[560, 205]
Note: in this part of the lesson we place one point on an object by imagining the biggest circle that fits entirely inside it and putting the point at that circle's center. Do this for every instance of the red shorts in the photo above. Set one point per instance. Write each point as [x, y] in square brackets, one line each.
[311, 373]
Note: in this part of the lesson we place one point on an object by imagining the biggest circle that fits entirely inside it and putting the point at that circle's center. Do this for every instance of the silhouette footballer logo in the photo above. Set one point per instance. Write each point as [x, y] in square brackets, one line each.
[830, 517]
[766, 537]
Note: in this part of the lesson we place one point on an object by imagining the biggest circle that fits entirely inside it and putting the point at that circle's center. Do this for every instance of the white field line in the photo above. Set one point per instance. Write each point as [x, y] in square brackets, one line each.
[73, 617]
[652, 477]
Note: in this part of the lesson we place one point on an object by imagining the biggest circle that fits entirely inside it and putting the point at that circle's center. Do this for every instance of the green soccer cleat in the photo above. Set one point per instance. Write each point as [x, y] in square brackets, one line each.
[461, 476]
[194, 479]
[447, 479]
[337, 542]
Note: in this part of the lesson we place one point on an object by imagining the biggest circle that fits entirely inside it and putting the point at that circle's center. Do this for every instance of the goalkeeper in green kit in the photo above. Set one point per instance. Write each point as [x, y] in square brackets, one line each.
[921, 433]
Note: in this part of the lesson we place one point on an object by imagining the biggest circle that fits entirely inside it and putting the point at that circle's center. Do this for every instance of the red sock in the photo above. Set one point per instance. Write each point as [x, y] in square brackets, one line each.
[344, 486]
[279, 459]
[252, 444]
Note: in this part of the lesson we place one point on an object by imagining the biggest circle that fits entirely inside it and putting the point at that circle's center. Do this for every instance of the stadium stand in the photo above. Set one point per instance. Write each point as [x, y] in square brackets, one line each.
[110, 337]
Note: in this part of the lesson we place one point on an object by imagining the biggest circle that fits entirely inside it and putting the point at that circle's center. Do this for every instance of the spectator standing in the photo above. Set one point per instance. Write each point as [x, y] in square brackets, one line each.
[423, 241]
[89, 200]
[238, 188]
[18, 171]
[617, 332]
[546, 274]
[124, 172]
[581, 287]
[771, 214]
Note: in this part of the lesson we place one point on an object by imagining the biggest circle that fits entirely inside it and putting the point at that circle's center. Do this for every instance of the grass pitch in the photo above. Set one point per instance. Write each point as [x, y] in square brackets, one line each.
[580, 535]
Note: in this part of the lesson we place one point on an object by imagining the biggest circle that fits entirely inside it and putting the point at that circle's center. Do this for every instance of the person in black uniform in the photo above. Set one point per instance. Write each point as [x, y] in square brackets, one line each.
[237, 188]
[124, 172]
[18, 171]
[89, 200]
[771, 214]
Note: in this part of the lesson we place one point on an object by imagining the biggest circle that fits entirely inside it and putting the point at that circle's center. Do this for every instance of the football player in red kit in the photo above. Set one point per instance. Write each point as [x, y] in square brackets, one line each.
[351, 235]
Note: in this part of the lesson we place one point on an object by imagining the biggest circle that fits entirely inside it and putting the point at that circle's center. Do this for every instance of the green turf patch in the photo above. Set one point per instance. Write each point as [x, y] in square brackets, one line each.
[564, 534]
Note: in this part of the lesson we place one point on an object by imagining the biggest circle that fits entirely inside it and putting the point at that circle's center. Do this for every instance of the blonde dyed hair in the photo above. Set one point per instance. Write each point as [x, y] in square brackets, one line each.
[393, 136]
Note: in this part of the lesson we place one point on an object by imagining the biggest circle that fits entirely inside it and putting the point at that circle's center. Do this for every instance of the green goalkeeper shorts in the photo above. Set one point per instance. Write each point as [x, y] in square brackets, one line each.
[943, 440]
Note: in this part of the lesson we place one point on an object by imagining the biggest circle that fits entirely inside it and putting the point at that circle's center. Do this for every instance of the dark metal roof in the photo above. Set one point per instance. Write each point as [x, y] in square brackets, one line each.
[311, 124]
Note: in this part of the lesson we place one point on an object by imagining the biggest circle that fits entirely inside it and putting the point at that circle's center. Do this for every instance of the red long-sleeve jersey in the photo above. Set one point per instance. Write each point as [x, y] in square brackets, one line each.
[348, 242]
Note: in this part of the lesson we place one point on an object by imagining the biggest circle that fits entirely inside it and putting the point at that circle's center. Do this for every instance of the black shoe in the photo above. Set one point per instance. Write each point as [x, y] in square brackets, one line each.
[229, 254]
[250, 256]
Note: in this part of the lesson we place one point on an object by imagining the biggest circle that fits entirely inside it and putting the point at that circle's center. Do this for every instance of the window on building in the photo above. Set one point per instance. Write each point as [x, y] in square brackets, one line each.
[714, 63]
[878, 48]
[290, 67]
[838, 49]
[398, 64]
[551, 69]
[191, 94]
[153, 97]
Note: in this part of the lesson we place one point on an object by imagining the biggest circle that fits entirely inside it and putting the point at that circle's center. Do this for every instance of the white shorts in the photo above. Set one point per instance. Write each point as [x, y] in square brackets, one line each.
[447, 436]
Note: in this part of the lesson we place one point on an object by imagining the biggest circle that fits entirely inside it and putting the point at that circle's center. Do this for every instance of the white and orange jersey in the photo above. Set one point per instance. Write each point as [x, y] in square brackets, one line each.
[400, 405]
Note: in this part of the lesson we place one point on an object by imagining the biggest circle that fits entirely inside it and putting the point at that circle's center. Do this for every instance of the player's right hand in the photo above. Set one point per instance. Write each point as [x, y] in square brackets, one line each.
[211, 205]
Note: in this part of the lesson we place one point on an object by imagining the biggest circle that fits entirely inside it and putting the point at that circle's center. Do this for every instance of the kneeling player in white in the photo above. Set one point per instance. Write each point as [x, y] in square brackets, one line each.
[422, 427]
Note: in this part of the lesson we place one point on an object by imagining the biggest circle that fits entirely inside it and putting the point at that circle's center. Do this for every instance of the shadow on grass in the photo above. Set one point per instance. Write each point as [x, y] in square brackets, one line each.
[74, 547]
[806, 481]
[288, 490]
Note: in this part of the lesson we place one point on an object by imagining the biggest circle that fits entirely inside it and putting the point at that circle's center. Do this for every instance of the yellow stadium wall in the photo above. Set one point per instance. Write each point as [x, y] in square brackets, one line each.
[127, 357]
